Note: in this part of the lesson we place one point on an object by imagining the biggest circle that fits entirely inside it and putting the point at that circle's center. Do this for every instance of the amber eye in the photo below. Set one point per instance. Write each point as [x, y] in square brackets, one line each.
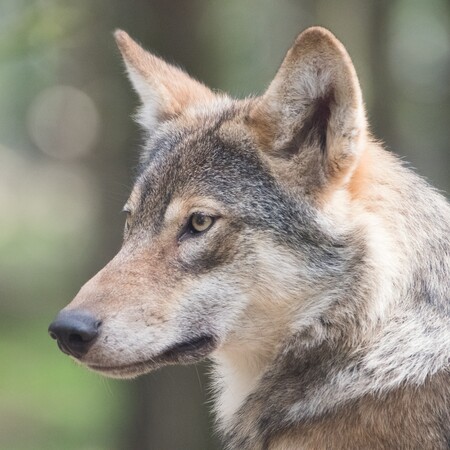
[200, 222]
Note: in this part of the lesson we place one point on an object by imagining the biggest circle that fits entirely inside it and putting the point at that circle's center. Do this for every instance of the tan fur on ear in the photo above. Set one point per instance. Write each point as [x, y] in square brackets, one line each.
[313, 113]
[165, 90]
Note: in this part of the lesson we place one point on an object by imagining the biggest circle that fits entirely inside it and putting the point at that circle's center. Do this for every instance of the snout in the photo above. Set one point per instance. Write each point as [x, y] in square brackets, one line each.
[75, 331]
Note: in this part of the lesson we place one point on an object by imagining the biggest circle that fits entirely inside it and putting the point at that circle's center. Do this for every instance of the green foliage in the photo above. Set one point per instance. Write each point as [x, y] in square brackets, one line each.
[47, 402]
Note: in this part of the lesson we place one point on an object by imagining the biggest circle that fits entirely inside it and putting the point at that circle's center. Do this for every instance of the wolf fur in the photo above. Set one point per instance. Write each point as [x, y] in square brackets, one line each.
[321, 290]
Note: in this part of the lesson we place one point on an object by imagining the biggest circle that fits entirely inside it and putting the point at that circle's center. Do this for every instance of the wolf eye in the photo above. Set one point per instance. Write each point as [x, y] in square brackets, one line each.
[198, 223]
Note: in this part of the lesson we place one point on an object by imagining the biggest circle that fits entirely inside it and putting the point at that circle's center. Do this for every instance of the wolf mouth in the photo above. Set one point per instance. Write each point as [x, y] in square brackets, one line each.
[189, 347]
[185, 352]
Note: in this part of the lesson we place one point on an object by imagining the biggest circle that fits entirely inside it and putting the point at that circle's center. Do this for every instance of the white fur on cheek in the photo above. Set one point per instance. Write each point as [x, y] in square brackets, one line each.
[260, 330]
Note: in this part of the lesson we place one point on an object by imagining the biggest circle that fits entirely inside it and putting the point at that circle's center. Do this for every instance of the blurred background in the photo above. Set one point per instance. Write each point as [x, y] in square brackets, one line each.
[68, 146]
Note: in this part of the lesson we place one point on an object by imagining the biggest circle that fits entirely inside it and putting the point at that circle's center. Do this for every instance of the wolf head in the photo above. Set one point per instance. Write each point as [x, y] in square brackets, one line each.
[232, 226]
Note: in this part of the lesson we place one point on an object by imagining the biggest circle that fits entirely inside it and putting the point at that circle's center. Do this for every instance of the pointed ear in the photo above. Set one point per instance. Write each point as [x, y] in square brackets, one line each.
[311, 120]
[164, 89]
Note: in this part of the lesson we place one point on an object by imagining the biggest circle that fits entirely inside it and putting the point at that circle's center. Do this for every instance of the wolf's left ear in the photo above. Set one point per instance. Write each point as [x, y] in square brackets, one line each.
[165, 90]
[311, 120]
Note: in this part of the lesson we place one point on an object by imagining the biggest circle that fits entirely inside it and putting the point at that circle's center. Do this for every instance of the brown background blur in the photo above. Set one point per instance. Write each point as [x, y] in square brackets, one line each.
[67, 151]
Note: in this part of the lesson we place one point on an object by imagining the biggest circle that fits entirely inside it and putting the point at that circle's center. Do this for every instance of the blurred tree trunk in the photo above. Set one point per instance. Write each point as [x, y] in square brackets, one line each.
[382, 117]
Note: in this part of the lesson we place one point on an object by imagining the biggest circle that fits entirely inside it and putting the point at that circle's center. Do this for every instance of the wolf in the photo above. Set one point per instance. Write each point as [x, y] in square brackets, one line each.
[275, 236]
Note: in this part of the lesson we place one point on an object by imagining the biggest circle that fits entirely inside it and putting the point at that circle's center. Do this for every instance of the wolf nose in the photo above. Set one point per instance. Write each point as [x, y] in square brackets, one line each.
[74, 331]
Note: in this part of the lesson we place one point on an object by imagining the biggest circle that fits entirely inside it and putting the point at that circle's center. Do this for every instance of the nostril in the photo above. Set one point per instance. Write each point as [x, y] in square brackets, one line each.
[76, 338]
[53, 335]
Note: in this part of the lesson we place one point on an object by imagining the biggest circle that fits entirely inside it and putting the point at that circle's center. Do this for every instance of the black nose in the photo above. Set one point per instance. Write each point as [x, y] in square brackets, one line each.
[75, 331]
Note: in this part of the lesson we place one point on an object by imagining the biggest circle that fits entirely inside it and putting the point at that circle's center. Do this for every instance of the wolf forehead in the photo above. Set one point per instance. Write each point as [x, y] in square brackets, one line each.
[203, 156]
[215, 156]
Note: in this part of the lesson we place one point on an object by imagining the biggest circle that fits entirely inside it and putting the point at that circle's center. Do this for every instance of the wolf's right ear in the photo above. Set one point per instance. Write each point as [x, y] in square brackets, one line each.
[164, 89]
[311, 120]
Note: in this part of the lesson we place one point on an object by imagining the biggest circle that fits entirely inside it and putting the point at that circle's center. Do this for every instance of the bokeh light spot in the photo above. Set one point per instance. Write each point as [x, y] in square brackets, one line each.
[63, 122]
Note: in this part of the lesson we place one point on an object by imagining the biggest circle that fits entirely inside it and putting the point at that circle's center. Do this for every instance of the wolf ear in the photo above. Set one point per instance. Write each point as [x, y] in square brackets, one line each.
[164, 89]
[312, 115]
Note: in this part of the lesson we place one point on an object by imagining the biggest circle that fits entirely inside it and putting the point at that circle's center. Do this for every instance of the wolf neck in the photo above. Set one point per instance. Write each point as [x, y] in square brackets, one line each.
[287, 303]
[238, 369]
[380, 302]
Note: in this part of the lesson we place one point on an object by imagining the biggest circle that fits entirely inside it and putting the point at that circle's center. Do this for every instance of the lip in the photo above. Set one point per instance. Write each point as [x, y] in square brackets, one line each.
[185, 352]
